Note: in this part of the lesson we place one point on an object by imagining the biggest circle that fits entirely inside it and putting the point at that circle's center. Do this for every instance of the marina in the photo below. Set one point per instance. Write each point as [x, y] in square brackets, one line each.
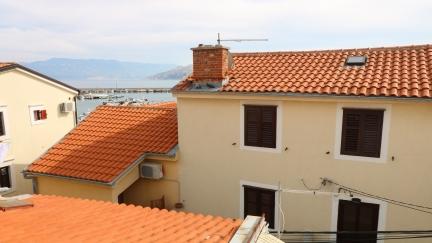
[87, 105]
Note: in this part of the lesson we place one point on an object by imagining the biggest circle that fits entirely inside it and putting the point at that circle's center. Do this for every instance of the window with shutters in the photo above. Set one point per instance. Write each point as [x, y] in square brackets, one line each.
[5, 179]
[362, 132]
[38, 114]
[260, 126]
[2, 125]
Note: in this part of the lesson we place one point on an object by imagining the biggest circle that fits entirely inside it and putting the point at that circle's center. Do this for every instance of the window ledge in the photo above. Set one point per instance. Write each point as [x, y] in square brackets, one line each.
[6, 190]
[260, 149]
[380, 160]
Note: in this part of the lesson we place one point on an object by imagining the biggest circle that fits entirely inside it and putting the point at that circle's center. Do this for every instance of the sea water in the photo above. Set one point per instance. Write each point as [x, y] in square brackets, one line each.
[84, 106]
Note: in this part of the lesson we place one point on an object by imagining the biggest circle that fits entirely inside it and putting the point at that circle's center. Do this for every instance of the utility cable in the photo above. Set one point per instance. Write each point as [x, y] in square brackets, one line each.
[356, 190]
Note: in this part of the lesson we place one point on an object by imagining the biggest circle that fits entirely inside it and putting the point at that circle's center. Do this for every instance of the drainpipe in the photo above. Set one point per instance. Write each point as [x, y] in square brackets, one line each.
[35, 185]
[76, 110]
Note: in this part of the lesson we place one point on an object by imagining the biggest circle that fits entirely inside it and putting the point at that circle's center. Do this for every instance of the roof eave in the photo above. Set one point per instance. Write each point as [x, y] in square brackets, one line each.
[171, 154]
[304, 95]
[30, 174]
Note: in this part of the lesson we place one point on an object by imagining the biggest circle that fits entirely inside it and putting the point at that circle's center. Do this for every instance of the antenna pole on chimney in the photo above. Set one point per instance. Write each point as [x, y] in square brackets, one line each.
[219, 40]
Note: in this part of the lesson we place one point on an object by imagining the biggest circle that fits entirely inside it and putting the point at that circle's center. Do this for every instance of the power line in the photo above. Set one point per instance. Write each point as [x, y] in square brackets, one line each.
[391, 201]
[391, 235]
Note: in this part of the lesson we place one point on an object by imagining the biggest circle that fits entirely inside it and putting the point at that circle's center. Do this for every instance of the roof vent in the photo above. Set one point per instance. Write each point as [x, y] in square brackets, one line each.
[356, 61]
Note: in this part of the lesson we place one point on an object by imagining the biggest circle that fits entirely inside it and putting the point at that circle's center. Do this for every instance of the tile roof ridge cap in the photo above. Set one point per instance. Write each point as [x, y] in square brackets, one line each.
[420, 46]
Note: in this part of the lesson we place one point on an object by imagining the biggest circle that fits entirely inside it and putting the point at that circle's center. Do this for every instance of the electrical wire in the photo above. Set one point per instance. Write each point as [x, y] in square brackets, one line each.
[311, 189]
[331, 238]
[302, 240]
[391, 201]
[353, 189]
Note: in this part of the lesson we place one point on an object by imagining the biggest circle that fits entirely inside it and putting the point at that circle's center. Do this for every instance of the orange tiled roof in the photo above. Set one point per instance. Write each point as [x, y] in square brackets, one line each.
[168, 104]
[62, 219]
[109, 140]
[392, 71]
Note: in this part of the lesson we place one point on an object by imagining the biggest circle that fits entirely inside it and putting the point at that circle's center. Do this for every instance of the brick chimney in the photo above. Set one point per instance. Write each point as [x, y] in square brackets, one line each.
[210, 62]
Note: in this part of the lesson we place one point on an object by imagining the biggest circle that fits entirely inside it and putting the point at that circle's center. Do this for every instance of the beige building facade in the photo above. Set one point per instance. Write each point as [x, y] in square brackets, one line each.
[32, 121]
[215, 165]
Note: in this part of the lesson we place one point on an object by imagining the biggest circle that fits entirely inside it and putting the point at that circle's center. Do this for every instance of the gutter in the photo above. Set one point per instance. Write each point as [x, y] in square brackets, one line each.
[172, 153]
[302, 95]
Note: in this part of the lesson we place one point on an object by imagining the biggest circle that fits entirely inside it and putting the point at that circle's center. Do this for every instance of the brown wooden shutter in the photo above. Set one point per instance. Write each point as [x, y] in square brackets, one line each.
[268, 126]
[260, 126]
[2, 125]
[362, 132]
[5, 177]
[259, 201]
[252, 125]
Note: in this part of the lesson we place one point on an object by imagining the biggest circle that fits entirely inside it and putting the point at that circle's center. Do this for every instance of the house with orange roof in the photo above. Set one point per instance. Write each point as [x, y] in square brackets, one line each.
[35, 112]
[329, 140]
[41, 218]
[124, 154]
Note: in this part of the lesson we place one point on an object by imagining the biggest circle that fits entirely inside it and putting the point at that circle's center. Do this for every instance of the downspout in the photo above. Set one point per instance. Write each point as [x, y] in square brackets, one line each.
[76, 110]
[35, 185]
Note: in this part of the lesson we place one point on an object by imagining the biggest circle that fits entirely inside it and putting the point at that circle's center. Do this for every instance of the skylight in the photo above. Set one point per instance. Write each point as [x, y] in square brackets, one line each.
[356, 61]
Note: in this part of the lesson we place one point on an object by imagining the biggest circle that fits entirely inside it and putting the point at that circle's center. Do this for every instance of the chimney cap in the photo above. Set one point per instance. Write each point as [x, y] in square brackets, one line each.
[209, 47]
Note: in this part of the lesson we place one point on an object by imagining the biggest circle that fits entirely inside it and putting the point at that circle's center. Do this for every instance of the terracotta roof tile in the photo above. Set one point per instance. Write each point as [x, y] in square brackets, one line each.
[109, 140]
[392, 71]
[55, 219]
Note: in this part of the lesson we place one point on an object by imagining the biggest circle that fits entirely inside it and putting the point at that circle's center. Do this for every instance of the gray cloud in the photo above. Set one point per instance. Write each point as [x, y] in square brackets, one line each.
[162, 31]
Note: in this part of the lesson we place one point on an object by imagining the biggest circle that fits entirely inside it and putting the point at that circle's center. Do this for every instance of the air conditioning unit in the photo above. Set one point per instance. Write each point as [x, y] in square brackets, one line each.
[151, 171]
[66, 107]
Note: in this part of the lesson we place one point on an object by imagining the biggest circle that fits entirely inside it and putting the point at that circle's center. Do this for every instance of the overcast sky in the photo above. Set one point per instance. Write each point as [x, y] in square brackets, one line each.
[161, 31]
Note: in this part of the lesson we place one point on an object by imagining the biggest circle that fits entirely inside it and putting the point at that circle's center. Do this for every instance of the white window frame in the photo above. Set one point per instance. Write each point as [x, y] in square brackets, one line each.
[384, 137]
[279, 118]
[32, 108]
[381, 215]
[263, 186]
[11, 177]
[3, 109]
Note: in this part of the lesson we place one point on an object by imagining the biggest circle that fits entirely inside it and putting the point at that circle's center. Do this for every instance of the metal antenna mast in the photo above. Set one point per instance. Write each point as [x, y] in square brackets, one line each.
[219, 40]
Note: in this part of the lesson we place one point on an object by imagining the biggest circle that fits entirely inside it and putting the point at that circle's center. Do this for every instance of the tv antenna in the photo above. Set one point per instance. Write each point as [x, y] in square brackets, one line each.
[219, 40]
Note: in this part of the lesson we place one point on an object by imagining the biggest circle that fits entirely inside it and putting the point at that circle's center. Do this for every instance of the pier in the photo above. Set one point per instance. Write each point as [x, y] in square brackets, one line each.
[123, 90]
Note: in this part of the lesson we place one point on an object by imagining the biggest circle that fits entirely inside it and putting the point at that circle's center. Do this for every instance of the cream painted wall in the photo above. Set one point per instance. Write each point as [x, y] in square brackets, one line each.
[211, 167]
[138, 191]
[144, 190]
[70, 188]
[27, 142]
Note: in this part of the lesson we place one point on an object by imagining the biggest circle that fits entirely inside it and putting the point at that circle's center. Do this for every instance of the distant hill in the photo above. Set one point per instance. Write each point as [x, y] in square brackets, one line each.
[176, 73]
[75, 71]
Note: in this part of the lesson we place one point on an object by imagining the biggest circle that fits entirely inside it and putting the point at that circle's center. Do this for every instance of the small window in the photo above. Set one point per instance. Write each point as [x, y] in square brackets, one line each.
[362, 132]
[5, 177]
[38, 114]
[260, 126]
[356, 61]
[2, 124]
